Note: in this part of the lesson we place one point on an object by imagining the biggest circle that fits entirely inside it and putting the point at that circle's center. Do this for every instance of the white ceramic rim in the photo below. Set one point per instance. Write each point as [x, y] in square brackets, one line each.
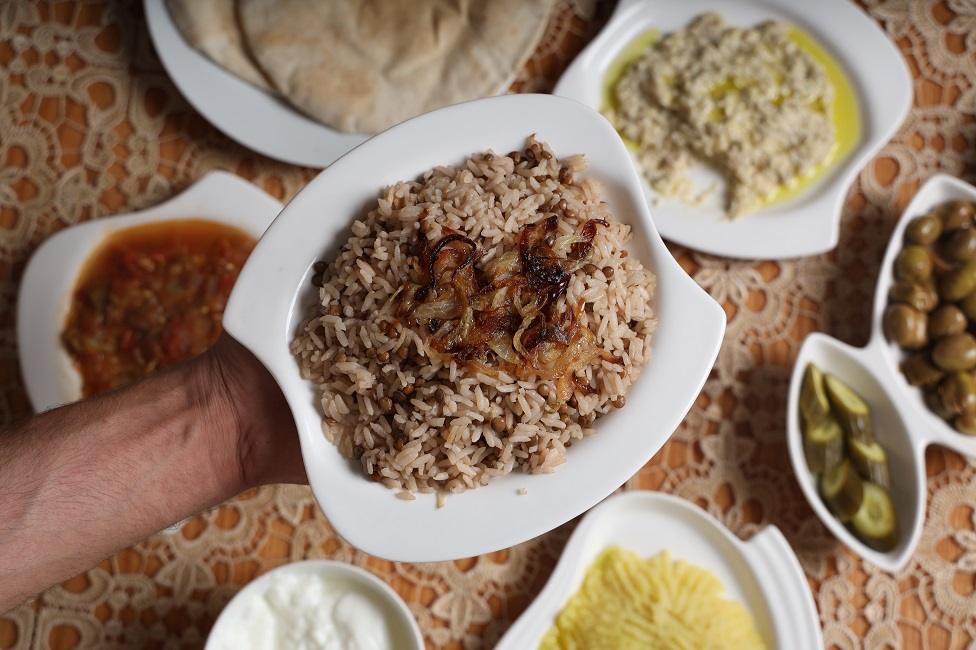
[325, 568]
[783, 608]
[367, 514]
[881, 359]
[243, 112]
[50, 276]
[810, 223]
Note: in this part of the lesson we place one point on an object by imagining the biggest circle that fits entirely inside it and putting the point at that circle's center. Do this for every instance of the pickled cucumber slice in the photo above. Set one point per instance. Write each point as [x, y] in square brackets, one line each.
[871, 461]
[823, 444]
[875, 522]
[814, 404]
[842, 490]
[852, 412]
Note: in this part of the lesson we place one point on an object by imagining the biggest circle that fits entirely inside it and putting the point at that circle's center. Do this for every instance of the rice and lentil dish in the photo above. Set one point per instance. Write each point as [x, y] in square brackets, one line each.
[476, 321]
[748, 102]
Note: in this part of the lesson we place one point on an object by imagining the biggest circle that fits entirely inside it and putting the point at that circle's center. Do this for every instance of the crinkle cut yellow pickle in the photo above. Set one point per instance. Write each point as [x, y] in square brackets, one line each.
[627, 602]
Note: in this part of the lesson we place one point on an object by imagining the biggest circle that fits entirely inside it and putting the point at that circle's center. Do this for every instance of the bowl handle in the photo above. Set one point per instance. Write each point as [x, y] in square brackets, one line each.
[793, 614]
[957, 442]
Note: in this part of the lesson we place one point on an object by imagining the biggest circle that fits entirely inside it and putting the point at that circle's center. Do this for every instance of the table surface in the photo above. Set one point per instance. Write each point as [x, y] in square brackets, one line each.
[90, 125]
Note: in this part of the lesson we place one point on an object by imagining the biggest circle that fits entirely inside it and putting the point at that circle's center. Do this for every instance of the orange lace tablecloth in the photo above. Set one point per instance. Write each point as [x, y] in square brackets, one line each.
[90, 125]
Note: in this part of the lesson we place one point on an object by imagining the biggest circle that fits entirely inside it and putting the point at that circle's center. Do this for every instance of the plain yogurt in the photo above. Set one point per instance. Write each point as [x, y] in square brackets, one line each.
[310, 611]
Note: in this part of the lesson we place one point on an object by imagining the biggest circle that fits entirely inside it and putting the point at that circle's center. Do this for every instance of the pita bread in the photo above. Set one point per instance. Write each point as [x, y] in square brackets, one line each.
[364, 65]
[210, 26]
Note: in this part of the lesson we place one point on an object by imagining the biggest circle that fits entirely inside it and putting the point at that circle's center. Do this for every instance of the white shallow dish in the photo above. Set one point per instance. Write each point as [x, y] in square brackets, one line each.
[253, 117]
[266, 306]
[396, 610]
[903, 424]
[49, 279]
[763, 574]
[806, 224]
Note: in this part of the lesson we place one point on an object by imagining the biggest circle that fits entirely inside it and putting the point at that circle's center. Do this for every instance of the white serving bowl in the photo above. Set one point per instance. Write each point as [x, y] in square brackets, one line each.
[810, 222]
[52, 272]
[763, 573]
[273, 291]
[903, 424]
[395, 610]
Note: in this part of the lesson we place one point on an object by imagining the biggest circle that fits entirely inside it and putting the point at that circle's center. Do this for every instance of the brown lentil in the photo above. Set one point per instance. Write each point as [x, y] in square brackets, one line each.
[590, 269]
[608, 271]
[498, 423]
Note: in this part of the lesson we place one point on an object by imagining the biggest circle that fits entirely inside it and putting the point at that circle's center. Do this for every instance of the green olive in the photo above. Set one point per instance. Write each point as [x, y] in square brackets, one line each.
[905, 326]
[959, 283]
[958, 214]
[919, 371]
[966, 423]
[945, 321]
[940, 264]
[960, 245]
[934, 402]
[958, 393]
[969, 307]
[923, 230]
[956, 352]
[913, 263]
[921, 296]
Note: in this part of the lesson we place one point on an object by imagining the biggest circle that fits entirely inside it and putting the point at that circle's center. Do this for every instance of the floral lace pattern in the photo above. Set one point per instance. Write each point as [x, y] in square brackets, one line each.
[90, 125]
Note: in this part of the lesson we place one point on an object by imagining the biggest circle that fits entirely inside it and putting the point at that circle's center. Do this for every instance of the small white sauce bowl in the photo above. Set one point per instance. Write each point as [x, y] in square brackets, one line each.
[806, 224]
[903, 424]
[401, 621]
[52, 272]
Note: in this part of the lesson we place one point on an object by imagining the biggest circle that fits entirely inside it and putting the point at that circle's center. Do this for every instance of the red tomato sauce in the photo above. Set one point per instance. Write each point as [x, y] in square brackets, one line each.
[149, 297]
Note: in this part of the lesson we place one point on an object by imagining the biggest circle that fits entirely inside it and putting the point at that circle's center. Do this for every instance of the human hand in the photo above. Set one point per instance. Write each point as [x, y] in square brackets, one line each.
[267, 443]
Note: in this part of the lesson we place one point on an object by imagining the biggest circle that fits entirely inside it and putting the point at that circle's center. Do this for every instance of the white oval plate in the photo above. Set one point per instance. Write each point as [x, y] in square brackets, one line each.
[49, 279]
[809, 223]
[273, 291]
[245, 113]
[401, 617]
[763, 574]
[903, 424]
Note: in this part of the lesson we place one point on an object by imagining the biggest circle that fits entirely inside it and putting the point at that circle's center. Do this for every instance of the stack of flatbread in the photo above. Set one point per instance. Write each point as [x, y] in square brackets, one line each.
[361, 66]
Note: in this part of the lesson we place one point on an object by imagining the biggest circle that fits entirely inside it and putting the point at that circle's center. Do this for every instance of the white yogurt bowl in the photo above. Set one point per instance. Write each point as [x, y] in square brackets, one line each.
[323, 600]
[273, 292]
[903, 424]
